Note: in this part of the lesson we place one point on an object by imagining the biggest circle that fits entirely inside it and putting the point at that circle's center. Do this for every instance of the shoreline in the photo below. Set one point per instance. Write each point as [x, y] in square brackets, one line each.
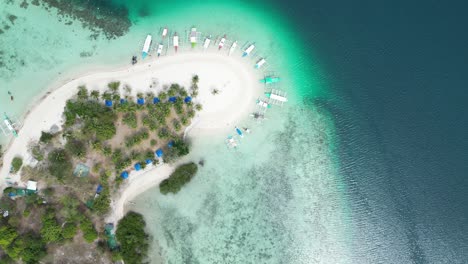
[237, 84]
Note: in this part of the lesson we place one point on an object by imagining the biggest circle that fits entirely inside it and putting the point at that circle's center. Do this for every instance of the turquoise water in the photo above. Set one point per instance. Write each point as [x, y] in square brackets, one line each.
[277, 199]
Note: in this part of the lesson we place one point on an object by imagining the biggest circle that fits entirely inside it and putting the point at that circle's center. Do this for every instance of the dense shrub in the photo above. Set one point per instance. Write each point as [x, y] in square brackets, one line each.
[59, 163]
[51, 230]
[16, 164]
[76, 147]
[181, 176]
[46, 137]
[132, 238]
[130, 119]
[69, 230]
[136, 138]
[89, 232]
[179, 148]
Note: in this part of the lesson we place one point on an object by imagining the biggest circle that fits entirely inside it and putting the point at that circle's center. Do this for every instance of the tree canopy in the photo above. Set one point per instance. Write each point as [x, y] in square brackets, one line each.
[132, 238]
[181, 176]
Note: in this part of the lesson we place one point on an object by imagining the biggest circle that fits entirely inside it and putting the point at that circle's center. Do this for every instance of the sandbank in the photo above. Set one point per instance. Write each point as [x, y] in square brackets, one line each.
[234, 77]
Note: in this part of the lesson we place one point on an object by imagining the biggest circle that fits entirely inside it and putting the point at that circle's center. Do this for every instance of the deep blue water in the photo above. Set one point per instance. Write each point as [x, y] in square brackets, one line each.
[398, 75]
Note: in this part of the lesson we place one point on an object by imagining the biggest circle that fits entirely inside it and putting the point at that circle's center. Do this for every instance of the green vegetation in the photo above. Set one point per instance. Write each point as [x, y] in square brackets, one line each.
[16, 164]
[82, 93]
[46, 137]
[89, 232]
[37, 153]
[51, 230]
[59, 163]
[76, 147]
[132, 238]
[179, 148]
[181, 176]
[130, 119]
[29, 247]
[98, 119]
[69, 230]
[136, 138]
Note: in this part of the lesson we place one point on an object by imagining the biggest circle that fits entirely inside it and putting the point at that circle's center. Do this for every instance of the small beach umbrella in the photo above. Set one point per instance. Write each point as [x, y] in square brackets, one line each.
[172, 99]
[156, 100]
[159, 153]
[170, 144]
[149, 161]
[137, 166]
[123, 101]
[141, 101]
[108, 103]
[124, 175]
[188, 99]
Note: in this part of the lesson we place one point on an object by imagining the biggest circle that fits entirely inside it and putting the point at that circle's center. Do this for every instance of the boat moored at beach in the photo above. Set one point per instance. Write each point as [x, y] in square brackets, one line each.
[260, 63]
[233, 47]
[146, 47]
[263, 104]
[270, 80]
[221, 42]
[206, 44]
[164, 32]
[9, 125]
[239, 132]
[248, 50]
[193, 37]
[175, 41]
[160, 48]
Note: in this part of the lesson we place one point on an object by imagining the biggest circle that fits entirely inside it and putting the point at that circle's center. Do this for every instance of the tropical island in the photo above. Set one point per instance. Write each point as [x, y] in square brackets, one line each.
[98, 141]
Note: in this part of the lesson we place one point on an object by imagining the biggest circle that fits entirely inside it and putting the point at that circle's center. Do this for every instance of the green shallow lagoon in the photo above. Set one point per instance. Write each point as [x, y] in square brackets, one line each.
[276, 199]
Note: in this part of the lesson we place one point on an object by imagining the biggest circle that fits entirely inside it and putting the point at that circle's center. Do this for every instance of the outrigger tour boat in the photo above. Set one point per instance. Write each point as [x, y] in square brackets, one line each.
[206, 44]
[9, 125]
[263, 104]
[175, 41]
[248, 50]
[146, 47]
[160, 48]
[221, 42]
[193, 37]
[164, 32]
[276, 97]
[260, 63]
[233, 47]
[270, 80]
[239, 132]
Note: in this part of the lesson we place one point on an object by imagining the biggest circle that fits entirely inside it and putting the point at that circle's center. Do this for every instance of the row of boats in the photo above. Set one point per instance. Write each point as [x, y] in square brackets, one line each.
[193, 38]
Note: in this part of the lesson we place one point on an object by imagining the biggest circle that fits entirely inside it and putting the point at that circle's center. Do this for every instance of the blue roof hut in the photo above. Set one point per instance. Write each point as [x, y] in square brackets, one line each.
[159, 153]
[170, 144]
[137, 166]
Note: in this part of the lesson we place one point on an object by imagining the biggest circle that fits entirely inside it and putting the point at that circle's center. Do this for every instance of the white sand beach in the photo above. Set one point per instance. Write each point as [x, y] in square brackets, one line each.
[236, 80]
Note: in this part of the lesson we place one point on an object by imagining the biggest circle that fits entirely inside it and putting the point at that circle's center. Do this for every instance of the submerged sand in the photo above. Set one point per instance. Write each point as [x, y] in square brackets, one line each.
[235, 79]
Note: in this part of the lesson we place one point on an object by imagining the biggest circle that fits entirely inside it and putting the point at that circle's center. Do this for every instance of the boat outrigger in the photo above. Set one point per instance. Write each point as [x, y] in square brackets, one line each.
[276, 97]
[239, 132]
[164, 32]
[193, 37]
[263, 104]
[146, 47]
[160, 48]
[233, 47]
[248, 50]
[206, 44]
[260, 63]
[9, 125]
[270, 80]
[175, 41]
[221, 42]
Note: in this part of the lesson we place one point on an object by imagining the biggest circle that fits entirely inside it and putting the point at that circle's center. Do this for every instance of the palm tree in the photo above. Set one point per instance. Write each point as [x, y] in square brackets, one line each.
[95, 94]
[215, 91]
[195, 79]
[114, 86]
